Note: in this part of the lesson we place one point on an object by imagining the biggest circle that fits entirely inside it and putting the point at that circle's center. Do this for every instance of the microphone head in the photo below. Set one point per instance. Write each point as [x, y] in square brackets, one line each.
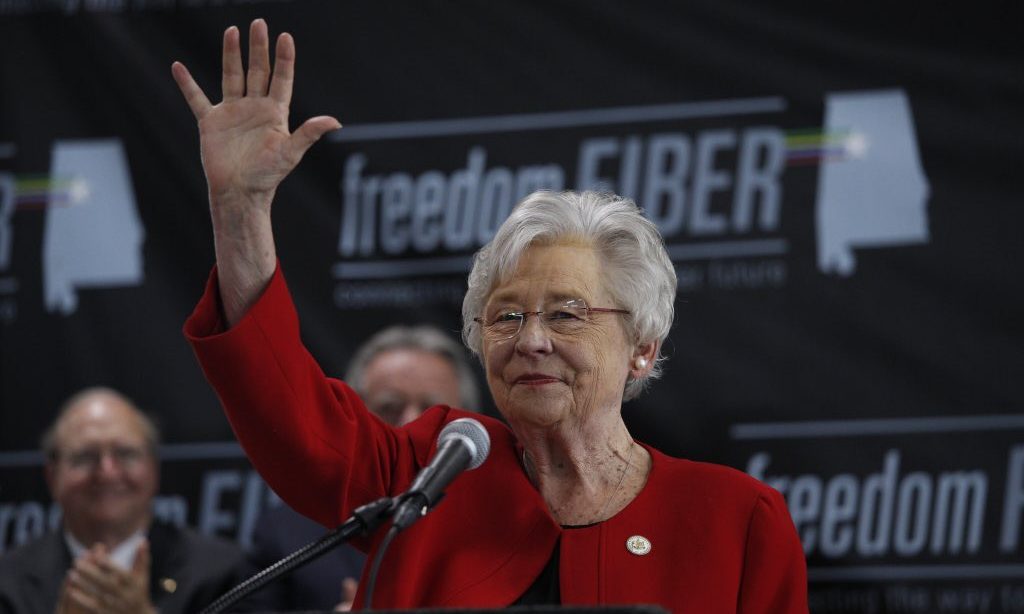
[471, 432]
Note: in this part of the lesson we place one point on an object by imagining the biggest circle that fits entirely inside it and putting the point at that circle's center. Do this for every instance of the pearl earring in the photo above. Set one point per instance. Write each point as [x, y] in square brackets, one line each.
[641, 363]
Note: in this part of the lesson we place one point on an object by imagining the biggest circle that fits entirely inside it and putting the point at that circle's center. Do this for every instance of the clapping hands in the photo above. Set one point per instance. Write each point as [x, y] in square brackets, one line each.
[95, 585]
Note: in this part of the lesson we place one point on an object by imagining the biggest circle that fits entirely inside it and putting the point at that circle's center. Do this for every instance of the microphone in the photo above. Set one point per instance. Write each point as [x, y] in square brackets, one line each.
[462, 445]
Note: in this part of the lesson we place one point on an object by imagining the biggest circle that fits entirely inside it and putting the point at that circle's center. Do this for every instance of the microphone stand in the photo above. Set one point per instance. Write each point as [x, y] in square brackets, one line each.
[365, 519]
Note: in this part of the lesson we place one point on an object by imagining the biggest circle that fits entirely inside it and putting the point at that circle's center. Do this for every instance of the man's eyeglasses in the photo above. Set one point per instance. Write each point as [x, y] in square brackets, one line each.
[568, 318]
[89, 459]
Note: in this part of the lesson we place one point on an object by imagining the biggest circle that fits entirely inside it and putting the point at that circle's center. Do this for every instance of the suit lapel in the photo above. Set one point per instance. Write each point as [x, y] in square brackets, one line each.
[167, 560]
[46, 572]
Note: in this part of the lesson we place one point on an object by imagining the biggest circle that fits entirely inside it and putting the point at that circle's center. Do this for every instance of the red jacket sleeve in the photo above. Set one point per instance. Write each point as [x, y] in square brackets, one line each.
[774, 568]
[309, 436]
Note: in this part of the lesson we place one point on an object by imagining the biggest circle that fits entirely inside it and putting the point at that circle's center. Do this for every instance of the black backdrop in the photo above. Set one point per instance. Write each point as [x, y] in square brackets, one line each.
[841, 194]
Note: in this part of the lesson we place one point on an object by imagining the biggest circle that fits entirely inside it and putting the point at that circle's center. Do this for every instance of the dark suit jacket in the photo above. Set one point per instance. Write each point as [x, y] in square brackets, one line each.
[315, 586]
[202, 568]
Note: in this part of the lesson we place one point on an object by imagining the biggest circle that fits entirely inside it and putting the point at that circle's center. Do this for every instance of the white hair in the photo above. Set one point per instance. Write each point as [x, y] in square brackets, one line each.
[638, 272]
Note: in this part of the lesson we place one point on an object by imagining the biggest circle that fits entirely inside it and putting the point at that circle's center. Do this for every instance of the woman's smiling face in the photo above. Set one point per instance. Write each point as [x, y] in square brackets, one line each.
[543, 377]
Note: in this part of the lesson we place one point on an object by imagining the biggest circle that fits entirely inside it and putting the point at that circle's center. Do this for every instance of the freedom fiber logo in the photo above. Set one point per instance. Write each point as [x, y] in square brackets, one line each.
[713, 176]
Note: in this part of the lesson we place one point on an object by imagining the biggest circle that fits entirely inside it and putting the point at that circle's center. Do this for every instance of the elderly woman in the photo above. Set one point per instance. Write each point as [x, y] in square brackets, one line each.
[567, 308]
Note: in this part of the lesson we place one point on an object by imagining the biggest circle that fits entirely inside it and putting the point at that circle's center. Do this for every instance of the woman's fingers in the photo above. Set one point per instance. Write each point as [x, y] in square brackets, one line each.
[233, 77]
[309, 133]
[235, 82]
[259, 59]
[284, 69]
[194, 96]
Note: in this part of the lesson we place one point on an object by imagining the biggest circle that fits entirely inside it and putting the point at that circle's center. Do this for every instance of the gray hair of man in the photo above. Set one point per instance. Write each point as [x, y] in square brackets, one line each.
[638, 272]
[48, 442]
[422, 337]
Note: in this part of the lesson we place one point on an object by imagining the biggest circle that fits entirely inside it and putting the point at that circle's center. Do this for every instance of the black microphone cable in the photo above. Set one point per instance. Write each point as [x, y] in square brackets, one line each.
[363, 521]
[371, 582]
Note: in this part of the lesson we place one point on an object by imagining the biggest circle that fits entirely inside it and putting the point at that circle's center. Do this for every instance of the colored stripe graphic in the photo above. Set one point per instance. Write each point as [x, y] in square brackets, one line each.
[41, 191]
[809, 146]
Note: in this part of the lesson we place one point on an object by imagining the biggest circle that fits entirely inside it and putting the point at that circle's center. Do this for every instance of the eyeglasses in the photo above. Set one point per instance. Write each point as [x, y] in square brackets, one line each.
[568, 318]
[394, 407]
[89, 459]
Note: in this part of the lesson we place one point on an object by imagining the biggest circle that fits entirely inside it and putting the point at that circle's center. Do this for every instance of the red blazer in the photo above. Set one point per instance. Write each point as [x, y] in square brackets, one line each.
[720, 540]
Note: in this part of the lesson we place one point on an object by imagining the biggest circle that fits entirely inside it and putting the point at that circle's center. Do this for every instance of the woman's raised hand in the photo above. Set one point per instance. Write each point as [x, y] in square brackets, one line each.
[247, 150]
[245, 143]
